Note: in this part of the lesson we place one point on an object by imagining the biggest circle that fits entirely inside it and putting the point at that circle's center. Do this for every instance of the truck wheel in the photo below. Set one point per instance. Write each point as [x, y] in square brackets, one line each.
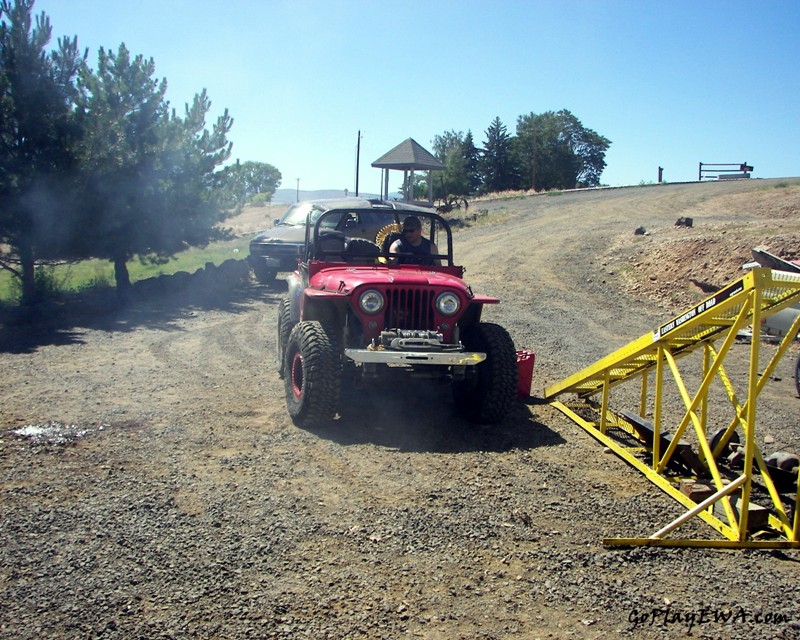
[285, 326]
[265, 275]
[313, 371]
[488, 394]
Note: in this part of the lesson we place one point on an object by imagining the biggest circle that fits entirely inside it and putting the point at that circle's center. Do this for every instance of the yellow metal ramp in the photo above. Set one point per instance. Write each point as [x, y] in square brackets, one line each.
[675, 450]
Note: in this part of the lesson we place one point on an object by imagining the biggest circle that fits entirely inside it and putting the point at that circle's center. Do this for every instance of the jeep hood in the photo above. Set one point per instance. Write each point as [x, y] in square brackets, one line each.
[344, 280]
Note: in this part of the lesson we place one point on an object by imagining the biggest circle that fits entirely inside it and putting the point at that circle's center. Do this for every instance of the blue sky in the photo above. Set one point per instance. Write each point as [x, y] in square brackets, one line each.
[670, 84]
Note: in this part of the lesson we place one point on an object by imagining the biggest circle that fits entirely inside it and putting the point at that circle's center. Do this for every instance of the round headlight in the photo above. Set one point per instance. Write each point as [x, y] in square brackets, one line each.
[448, 303]
[371, 301]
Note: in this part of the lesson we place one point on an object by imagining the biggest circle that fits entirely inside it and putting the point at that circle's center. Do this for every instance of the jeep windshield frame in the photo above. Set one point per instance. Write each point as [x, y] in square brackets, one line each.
[435, 228]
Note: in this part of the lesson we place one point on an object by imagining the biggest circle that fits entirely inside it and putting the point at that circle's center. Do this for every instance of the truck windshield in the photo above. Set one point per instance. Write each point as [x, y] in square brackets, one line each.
[297, 215]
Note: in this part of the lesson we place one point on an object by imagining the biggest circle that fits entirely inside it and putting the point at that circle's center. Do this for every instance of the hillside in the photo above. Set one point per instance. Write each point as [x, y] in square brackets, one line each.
[678, 265]
[669, 264]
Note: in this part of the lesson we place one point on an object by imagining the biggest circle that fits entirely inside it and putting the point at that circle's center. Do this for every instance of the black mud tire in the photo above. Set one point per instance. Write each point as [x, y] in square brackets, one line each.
[361, 250]
[487, 396]
[285, 326]
[313, 374]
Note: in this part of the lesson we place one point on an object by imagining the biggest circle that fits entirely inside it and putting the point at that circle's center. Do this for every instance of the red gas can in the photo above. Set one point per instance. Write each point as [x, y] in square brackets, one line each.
[525, 361]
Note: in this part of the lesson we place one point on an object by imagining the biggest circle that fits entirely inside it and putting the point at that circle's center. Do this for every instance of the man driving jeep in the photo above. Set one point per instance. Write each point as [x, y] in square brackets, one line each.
[412, 247]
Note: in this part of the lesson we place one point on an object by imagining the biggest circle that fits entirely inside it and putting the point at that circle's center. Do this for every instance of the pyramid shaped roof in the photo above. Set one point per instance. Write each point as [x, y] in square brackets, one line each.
[409, 155]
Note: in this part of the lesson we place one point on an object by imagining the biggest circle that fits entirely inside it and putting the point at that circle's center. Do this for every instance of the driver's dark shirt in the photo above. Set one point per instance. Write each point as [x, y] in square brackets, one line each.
[421, 254]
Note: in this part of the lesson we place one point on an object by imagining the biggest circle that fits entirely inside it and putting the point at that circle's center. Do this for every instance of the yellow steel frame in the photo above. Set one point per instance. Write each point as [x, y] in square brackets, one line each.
[748, 301]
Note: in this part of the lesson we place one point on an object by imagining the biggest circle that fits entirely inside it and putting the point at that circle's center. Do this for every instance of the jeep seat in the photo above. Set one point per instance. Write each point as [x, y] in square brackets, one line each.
[361, 251]
[331, 246]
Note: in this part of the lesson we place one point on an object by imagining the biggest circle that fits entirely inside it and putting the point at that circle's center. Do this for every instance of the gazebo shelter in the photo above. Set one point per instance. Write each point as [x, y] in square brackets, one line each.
[408, 156]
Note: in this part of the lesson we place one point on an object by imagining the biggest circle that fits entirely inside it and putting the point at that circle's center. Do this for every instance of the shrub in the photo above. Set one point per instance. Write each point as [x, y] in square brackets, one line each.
[261, 199]
[46, 282]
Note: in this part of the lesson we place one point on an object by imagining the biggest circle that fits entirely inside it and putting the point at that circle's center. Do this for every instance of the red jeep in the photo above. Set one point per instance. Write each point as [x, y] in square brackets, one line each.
[356, 310]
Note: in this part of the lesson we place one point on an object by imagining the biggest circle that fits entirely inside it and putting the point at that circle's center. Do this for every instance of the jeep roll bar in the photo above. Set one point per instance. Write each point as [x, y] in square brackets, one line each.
[330, 245]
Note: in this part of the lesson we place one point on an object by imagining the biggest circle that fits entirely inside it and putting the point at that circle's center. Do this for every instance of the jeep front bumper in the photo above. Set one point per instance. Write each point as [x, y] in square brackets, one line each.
[440, 358]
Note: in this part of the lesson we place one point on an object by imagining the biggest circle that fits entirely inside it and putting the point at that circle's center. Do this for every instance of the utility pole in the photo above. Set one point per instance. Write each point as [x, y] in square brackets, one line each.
[358, 158]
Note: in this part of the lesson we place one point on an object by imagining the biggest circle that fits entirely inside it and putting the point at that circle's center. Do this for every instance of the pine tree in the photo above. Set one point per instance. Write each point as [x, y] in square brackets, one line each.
[37, 140]
[471, 164]
[497, 169]
[148, 174]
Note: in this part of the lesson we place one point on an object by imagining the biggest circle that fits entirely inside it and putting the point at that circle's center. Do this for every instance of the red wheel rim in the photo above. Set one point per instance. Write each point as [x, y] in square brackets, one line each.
[297, 375]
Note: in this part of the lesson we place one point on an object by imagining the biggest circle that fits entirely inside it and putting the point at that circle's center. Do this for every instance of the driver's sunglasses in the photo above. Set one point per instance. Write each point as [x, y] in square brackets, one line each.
[412, 230]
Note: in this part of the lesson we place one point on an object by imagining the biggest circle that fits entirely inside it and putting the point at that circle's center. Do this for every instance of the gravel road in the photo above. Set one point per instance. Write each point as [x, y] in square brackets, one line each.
[153, 485]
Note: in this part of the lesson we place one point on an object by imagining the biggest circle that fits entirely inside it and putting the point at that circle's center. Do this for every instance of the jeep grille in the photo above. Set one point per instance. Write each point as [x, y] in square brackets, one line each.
[409, 309]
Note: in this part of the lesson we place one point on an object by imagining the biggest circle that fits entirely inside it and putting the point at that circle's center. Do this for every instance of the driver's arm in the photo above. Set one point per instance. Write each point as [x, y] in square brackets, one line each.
[394, 250]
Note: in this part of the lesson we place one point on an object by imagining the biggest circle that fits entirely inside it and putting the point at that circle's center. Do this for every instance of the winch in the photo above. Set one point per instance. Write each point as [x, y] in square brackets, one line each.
[415, 340]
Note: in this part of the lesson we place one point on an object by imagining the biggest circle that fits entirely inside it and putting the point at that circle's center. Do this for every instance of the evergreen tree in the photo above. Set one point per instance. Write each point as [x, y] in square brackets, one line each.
[37, 140]
[148, 174]
[471, 164]
[497, 167]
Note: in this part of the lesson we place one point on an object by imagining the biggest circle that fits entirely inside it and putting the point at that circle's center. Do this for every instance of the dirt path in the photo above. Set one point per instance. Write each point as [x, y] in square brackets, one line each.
[191, 507]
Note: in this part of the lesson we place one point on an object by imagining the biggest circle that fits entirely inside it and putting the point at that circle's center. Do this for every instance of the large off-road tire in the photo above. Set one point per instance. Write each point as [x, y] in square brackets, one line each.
[361, 250]
[487, 395]
[285, 326]
[313, 374]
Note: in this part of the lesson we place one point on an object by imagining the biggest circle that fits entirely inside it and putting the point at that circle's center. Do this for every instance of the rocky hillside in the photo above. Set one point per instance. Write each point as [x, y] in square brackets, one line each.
[679, 265]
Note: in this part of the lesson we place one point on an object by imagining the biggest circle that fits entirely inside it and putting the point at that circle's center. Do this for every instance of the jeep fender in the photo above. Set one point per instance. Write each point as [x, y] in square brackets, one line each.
[324, 306]
[472, 314]
[295, 288]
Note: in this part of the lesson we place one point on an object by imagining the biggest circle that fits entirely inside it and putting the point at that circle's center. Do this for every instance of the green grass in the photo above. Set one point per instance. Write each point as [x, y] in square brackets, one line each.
[99, 273]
